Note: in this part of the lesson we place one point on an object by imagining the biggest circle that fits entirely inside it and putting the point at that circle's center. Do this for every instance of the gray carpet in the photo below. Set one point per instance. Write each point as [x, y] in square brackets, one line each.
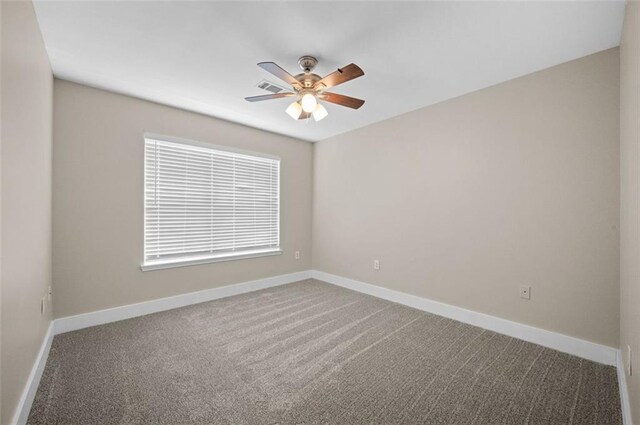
[313, 353]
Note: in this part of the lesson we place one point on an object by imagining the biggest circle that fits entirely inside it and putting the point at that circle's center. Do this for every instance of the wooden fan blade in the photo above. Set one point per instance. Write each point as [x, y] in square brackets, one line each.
[268, 97]
[342, 75]
[342, 100]
[280, 73]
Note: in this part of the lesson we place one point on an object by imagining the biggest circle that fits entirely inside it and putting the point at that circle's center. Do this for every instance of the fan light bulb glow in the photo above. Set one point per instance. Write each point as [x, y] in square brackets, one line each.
[308, 102]
[294, 110]
[319, 113]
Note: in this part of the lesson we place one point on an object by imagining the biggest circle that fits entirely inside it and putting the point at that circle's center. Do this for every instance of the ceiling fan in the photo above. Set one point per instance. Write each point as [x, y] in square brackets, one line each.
[309, 88]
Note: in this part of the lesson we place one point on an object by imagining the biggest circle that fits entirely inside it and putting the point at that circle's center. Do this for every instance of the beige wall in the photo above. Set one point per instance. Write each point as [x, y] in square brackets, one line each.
[464, 201]
[630, 199]
[98, 209]
[27, 86]
[1, 118]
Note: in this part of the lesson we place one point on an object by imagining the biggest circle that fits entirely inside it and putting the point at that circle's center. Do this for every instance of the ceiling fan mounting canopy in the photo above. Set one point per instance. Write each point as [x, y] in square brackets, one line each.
[309, 88]
[307, 63]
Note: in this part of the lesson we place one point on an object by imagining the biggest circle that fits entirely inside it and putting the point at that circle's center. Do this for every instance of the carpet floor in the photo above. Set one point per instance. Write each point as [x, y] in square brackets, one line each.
[313, 353]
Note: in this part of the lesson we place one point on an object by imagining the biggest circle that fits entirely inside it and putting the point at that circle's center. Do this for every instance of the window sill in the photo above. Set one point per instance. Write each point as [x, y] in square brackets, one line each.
[192, 261]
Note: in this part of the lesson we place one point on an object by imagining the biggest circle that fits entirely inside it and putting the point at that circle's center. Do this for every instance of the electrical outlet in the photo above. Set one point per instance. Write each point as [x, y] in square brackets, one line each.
[629, 359]
[525, 292]
[297, 255]
[376, 264]
[49, 293]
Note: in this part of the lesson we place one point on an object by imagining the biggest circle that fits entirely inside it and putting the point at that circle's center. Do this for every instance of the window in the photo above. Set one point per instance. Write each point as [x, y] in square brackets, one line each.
[204, 204]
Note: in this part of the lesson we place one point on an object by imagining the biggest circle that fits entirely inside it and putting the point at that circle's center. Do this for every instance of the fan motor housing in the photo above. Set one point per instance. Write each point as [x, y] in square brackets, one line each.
[307, 79]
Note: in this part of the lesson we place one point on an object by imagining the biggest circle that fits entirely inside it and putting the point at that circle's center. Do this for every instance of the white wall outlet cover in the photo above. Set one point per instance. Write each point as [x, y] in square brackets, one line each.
[297, 255]
[525, 292]
[376, 264]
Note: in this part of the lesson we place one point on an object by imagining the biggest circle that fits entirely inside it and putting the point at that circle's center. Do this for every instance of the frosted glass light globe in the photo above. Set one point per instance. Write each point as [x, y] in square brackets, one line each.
[319, 113]
[294, 110]
[309, 103]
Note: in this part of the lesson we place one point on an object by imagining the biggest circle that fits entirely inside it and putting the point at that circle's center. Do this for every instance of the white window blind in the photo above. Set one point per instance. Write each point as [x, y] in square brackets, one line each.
[205, 204]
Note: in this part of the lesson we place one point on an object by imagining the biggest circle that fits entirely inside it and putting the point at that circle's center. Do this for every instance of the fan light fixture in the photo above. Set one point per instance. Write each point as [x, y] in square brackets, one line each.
[294, 110]
[308, 102]
[309, 88]
[319, 113]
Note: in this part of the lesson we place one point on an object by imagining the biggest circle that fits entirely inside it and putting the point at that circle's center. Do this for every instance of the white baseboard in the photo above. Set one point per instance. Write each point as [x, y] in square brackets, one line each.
[80, 321]
[28, 394]
[567, 344]
[624, 393]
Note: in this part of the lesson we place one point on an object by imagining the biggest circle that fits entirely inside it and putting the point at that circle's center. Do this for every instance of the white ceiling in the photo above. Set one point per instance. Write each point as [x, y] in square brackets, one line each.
[202, 56]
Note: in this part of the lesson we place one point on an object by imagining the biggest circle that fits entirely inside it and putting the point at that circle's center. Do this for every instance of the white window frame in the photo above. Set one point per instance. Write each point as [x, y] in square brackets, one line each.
[182, 261]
